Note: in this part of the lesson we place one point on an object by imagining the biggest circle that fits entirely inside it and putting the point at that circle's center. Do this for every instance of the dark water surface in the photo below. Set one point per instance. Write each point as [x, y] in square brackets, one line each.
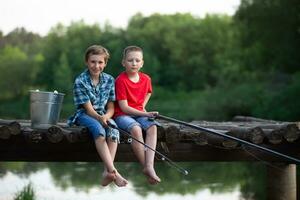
[81, 180]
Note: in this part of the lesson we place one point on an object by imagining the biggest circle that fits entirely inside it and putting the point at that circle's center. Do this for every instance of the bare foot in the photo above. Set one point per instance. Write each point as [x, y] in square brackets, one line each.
[108, 177]
[151, 176]
[120, 181]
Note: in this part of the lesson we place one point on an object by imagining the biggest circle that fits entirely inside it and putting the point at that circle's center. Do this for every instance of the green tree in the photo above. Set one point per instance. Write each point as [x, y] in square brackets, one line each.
[28, 42]
[270, 34]
[270, 46]
[53, 49]
[70, 42]
[17, 72]
[62, 76]
[78, 37]
[188, 52]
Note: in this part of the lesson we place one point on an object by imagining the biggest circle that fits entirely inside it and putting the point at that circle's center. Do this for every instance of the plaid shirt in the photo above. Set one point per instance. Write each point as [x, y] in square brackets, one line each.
[98, 95]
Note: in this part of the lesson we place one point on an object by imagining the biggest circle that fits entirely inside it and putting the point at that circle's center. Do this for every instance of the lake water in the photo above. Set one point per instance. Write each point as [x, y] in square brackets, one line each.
[72, 181]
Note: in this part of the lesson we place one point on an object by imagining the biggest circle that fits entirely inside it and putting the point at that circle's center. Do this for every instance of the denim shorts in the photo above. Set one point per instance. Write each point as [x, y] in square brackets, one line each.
[126, 122]
[96, 129]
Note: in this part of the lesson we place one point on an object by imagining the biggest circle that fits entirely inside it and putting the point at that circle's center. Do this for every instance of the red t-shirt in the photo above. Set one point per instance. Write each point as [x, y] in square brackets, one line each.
[134, 93]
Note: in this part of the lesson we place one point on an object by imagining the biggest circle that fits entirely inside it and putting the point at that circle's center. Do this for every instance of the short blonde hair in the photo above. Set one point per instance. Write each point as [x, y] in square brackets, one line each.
[130, 49]
[97, 50]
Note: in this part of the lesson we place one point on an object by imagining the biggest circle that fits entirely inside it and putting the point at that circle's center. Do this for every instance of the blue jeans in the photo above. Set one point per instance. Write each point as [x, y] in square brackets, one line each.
[126, 122]
[96, 129]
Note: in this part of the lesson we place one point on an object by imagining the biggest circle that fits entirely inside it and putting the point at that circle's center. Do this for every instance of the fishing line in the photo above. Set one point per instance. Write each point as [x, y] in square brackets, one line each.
[163, 157]
[259, 159]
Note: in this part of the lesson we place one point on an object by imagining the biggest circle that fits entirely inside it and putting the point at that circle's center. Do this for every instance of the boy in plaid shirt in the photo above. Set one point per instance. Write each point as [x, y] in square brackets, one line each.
[94, 96]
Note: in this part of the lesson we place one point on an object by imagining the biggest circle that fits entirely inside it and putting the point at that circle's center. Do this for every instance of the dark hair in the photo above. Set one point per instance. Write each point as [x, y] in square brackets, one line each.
[130, 49]
[96, 50]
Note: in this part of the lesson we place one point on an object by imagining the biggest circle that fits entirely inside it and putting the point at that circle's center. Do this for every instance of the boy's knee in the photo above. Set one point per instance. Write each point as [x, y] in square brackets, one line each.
[136, 130]
[100, 138]
[152, 129]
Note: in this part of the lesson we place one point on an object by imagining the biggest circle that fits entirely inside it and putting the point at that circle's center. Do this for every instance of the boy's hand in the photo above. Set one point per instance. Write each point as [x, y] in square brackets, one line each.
[152, 114]
[103, 120]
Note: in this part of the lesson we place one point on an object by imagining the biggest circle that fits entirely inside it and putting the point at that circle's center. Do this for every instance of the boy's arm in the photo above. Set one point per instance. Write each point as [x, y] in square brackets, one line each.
[132, 111]
[146, 101]
[102, 118]
[110, 109]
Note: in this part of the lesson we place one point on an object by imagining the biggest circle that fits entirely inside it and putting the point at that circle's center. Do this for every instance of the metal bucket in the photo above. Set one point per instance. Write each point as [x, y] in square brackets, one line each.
[45, 108]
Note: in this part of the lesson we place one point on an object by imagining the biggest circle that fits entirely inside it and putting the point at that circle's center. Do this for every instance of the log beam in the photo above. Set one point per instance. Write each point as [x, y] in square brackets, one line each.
[18, 141]
[16, 149]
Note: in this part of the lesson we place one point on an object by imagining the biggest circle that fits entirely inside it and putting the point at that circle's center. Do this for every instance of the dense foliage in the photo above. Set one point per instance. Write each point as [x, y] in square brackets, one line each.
[202, 68]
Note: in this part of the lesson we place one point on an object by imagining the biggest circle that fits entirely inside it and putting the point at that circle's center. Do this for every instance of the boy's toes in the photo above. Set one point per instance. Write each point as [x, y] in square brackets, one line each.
[151, 176]
[152, 181]
[108, 177]
[120, 181]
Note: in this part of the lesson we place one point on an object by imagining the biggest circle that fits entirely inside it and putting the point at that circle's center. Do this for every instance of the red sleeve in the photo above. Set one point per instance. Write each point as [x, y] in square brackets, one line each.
[120, 89]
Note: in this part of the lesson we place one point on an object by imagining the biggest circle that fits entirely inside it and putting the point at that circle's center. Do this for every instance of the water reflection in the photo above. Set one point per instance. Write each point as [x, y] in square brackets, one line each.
[215, 178]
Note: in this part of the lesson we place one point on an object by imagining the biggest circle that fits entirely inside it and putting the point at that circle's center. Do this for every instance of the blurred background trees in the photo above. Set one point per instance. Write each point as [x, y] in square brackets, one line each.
[208, 68]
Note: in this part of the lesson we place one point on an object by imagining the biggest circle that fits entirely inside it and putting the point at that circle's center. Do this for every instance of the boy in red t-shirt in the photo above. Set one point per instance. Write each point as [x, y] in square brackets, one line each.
[133, 91]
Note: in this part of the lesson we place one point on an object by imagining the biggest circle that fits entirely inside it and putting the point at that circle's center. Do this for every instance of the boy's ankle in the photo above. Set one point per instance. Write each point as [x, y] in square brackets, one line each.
[113, 171]
[149, 166]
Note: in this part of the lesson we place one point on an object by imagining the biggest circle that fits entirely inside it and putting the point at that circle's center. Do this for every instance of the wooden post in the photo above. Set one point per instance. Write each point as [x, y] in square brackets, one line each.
[281, 181]
[298, 182]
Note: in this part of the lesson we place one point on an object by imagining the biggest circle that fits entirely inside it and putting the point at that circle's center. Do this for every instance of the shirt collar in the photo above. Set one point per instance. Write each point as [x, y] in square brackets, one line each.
[87, 77]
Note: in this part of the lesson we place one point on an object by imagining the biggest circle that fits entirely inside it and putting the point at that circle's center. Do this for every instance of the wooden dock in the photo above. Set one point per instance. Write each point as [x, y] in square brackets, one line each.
[20, 142]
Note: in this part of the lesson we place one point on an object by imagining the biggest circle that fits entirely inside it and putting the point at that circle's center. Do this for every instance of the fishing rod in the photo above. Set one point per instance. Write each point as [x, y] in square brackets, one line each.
[163, 157]
[297, 161]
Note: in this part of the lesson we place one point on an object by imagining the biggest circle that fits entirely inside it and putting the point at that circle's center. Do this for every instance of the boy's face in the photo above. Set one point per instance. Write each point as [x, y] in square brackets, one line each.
[96, 64]
[133, 61]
